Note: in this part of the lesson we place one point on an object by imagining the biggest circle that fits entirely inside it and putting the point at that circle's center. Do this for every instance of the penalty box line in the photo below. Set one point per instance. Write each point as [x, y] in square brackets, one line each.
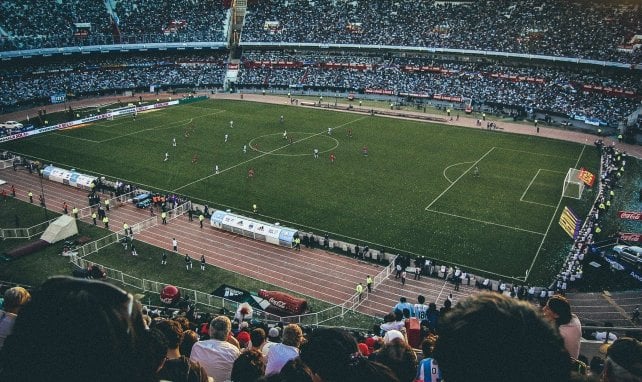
[459, 177]
[262, 155]
[550, 223]
[487, 222]
[521, 199]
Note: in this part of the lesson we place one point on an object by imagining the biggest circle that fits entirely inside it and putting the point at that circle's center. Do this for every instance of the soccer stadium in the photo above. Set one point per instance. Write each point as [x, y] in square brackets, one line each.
[327, 190]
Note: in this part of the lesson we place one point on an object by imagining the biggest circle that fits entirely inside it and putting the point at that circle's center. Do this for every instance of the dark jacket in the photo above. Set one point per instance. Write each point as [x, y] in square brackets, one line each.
[182, 370]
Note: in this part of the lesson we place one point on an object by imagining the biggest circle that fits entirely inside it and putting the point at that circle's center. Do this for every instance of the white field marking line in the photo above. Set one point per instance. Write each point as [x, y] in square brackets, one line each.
[550, 223]
[263, 154]
[539, 204]
[168, 126]
[165, 127]
[336, 141]
[293, 223]
[486, 222]
[533, 153]
[72, 137]
[529, 186]
[441, 291]
[452, 165]
[143, 115]
[459, 177]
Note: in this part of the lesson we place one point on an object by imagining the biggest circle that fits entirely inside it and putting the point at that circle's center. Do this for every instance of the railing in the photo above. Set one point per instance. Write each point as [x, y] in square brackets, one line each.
[6, 163]
[25, 233]
[206, 299]
[354, 301]
[97, 245]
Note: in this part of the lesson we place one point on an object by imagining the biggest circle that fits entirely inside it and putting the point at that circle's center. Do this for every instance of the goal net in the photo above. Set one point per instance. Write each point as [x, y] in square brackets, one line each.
[573, 185]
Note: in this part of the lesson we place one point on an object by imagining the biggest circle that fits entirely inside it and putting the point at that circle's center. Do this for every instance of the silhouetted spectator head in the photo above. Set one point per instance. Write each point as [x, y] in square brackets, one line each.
[172, 331]
[558, 309]
[189, 339]
[332, 355]
[152, 350]
[493, 337]
[257, 337]
[249, 366]
[428, 345]
[399, 357]
[75, 330]
[295, 371]
[623, 361]
[292, 335]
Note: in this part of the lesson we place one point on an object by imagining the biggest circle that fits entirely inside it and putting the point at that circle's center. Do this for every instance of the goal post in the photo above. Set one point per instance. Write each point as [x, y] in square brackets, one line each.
[573, 185]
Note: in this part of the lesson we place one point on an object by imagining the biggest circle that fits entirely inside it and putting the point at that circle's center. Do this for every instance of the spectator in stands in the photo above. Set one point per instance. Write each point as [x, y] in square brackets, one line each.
[177, 367]
[14, 299]
[428, 369]
[75, 330]
[393, 321]
[399, 357]
[623, 361]
[274, 337]
[333, 356]
[496, 338]
[295, 371]
[243, 337]
[190, 337]
[257, 339]
[152, 350]
[288, 349]
[404, 304]
[249, 366]
[558, 310]
[217, 355]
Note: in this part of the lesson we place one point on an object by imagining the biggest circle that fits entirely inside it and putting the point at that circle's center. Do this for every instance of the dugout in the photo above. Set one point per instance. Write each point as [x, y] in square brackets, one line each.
[71, 178]
[252, 228]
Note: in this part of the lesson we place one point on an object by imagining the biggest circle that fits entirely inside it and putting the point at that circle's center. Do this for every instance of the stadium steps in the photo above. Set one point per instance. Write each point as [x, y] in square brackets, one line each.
[598, 308]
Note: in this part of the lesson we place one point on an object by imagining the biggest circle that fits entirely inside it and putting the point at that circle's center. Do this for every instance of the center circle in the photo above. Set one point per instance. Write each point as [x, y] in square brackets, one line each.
[293, 144]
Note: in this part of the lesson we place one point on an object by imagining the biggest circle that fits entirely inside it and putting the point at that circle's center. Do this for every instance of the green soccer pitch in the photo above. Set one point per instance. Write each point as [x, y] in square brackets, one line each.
[416, 192]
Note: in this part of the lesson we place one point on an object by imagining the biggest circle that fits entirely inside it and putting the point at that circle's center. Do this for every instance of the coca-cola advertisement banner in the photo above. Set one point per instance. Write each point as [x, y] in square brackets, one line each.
[630, 215]
[631, 237]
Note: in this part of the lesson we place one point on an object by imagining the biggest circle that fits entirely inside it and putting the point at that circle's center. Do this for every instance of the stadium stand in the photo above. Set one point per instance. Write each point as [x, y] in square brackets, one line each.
[559, 91]
[513, 89]
[583, 29]
[36, 24]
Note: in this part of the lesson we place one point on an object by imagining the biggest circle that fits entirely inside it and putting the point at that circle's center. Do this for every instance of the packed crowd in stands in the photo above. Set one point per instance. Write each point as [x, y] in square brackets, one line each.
[582, 29]
[33, 24]
[201, 19]
[547, 90]
[96, 331]
[39, 81]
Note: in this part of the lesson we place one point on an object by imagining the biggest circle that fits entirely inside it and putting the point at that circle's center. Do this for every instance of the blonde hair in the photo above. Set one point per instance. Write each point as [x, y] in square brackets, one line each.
[15, 298]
